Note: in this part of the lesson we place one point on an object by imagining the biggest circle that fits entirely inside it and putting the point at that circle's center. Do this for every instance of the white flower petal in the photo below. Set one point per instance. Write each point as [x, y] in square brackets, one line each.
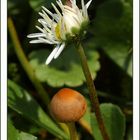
[59, 2]
[60, 5]
[40, 29]
[46, 40]
[46, 17]
[36, 41]
[42, 21]
[72, 14]
[36, 35]
[56, 25]
[84, 9]
[83, 6]
[45, 25]
[59, 51]
[74, 1]
[56, 17]
[70, 22]
[49, 12]
[51, 56]
[88, 3]
[56, 10]
[69, 8]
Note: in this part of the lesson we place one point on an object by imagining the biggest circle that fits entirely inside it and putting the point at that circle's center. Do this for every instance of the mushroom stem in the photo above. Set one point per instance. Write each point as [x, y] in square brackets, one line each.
[92, 91]
[72, 130]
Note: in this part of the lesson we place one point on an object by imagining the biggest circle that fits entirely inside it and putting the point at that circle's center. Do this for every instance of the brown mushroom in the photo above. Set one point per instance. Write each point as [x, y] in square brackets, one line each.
[68, 105]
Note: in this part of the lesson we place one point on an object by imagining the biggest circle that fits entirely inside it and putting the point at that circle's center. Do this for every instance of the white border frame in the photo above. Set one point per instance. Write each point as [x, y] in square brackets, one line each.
[135, 70]
[4, 70]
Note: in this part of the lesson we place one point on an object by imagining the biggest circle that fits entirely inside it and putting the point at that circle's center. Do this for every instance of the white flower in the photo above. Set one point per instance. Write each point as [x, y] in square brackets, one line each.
[56, 26]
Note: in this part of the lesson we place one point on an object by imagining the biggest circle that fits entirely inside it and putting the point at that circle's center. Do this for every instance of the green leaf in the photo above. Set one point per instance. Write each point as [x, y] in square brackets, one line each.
[113, 28]
[114, 122]
[110, 9]
[121, 55]
[26, 136]
[14, 134]
[66, 70]
[129, 135]
[21, 101]
[36, 4]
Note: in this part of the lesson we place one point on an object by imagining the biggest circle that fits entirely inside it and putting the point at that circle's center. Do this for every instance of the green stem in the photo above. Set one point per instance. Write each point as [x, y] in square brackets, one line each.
[92, 91]
[25, 64]
[72, 130]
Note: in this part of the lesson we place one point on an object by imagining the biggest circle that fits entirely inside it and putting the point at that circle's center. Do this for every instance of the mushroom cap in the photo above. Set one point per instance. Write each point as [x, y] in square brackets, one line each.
[68, 105]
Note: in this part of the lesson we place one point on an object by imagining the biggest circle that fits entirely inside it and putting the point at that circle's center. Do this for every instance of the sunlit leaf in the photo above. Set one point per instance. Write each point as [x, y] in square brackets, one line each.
[14, 134]
[21, 101]
[114, 121]
[26, 136]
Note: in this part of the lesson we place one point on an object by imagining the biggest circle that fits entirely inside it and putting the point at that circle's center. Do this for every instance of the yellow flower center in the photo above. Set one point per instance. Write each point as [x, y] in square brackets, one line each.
[57, 30]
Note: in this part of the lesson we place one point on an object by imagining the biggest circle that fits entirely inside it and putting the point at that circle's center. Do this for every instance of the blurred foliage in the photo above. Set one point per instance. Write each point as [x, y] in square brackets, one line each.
[108, 45]
[36, 5]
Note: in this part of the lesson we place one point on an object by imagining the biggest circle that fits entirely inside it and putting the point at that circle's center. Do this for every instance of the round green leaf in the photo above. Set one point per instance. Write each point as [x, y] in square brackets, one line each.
[66, 70]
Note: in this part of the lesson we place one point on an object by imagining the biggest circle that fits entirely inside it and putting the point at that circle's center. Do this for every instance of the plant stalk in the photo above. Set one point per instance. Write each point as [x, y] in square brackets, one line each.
[92, 91]
[72, 130]
[25, 63]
